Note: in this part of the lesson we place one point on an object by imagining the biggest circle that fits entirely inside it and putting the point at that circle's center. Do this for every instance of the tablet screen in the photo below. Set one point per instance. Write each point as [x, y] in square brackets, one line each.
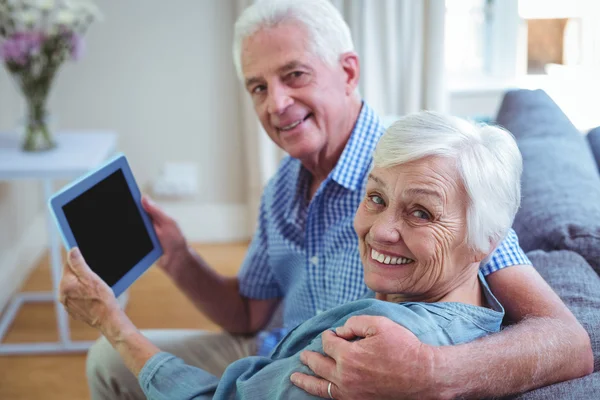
[108, 228]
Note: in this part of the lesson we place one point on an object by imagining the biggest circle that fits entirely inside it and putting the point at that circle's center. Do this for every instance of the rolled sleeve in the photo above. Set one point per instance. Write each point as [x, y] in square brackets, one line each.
[507, 254]
[166, 377]
[256, 279]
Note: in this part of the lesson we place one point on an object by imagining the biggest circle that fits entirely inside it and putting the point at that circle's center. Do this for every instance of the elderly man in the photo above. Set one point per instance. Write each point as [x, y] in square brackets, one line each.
[297, 62]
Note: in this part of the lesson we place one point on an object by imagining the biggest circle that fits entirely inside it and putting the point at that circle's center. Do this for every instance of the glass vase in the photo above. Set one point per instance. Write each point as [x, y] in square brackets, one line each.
[37, 132]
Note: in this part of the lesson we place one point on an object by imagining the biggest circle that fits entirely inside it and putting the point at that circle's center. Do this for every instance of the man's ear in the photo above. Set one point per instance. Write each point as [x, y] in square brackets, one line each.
[351, 66]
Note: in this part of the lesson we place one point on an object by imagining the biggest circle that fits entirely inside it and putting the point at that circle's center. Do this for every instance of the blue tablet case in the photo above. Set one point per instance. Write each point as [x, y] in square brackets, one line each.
[102, 214]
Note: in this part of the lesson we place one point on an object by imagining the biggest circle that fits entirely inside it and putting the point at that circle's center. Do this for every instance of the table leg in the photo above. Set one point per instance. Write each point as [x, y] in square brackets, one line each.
[62, 319]
[65, 344]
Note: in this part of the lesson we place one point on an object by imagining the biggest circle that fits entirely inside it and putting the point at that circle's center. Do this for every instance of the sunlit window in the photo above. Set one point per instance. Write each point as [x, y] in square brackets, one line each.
[510, 38]
[557, 32]
[467, 36]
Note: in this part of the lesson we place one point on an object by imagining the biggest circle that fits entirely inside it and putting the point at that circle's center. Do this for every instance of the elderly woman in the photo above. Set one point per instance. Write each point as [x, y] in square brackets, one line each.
[441, 195]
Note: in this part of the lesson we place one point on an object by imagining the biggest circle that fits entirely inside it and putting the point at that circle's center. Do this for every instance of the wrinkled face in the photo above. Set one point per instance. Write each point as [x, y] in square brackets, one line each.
[300, 100]
[411, 227]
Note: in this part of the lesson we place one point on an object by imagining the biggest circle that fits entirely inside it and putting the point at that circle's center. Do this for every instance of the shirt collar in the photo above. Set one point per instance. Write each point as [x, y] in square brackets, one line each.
[355, 160]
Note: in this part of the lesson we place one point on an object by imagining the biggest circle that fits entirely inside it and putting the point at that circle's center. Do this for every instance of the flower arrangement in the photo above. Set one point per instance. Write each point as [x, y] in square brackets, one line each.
[36, 37]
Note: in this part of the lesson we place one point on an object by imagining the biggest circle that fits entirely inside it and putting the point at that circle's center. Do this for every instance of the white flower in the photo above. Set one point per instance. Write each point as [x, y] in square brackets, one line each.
[25, 19]
[47, 5]
[66, 17]
[85, 7]
[28, 17]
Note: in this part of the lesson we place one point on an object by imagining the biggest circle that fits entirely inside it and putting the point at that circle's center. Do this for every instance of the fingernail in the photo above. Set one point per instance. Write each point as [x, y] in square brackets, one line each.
[303, 357]
[75, 254]
[294, 378]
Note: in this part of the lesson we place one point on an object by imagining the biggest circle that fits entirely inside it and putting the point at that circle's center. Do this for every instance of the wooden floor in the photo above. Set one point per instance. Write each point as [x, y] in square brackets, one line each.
[154, 303]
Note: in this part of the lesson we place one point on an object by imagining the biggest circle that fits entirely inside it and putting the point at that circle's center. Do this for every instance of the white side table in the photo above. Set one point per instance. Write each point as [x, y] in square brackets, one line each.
[75, 155]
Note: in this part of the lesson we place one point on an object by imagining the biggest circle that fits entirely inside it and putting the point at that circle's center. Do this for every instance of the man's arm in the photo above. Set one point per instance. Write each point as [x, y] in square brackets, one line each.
[547, 345]
[219, 297]
[216, 296]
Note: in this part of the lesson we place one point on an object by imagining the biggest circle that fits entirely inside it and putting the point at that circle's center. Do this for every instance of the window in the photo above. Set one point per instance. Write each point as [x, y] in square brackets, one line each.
[512, 38]
[467, 36]
[560, 33]
[493, 45]
[481, 41]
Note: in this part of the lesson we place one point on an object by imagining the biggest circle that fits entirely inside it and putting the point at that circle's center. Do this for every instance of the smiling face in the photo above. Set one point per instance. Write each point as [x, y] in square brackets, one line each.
[411, 227]
[301, 101]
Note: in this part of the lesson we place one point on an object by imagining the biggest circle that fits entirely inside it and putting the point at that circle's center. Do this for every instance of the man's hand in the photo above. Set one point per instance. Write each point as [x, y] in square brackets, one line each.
[387, 360]
[85, 296]
[171, 238]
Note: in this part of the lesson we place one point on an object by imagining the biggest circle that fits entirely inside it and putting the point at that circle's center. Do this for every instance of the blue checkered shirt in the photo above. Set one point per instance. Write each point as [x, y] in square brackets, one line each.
[307, 252]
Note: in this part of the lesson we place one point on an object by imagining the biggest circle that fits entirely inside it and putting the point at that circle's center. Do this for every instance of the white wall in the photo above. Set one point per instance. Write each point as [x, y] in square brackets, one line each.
[476, 103]
[160, 74]
[20, 207]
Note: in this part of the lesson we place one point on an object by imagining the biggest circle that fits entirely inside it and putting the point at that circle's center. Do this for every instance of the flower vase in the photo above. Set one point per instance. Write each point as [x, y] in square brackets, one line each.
[37, 130]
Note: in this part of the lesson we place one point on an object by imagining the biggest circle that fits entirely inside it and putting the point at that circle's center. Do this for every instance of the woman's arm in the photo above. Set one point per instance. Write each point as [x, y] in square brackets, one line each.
[133, 347]
[161, 375]
[89, 299]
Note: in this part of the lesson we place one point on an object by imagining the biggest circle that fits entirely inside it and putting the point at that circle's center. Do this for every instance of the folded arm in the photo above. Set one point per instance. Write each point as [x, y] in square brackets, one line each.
[546, 345]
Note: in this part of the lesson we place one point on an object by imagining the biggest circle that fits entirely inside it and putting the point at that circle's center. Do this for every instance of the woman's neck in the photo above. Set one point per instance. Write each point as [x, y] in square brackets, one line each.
[470, 292]
[467, 291]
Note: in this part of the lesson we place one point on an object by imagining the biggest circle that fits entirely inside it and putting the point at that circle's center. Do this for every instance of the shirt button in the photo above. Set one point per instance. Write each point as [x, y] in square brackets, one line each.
[314, 260]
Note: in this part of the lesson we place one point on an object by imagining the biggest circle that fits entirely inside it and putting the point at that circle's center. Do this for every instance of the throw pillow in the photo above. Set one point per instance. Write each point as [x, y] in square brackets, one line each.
[560, 208]
[579, 288]
[593, 138]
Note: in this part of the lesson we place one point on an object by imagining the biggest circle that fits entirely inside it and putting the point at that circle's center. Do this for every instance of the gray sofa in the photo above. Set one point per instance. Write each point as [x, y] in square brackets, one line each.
[559, 220]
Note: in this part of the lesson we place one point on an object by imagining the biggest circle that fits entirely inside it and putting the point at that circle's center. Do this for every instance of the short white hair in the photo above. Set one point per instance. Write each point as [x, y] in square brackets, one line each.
[328, 34]
[487, 158]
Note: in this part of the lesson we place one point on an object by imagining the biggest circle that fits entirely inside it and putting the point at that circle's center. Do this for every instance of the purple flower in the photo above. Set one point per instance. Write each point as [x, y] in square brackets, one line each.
[20, 46]
[77, 46]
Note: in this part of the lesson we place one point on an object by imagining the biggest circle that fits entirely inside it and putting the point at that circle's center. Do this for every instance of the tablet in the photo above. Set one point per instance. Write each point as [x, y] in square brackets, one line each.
[102, 214]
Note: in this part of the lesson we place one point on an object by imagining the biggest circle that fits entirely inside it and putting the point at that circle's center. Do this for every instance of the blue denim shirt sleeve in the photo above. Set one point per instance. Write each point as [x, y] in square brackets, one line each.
[166, 377]
[255, 378]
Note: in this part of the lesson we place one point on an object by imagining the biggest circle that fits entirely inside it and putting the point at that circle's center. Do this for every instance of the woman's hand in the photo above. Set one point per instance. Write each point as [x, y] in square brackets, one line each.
[85, 296]
[89, 299]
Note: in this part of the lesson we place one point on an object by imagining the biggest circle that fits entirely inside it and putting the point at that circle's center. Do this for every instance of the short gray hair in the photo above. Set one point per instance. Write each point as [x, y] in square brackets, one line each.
[329, 35]
[487, 158]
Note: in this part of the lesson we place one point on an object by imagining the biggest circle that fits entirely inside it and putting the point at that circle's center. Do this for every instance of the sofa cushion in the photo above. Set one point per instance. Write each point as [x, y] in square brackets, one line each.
[593, 138]
[578, 286]
[560, 206]
[587, 387]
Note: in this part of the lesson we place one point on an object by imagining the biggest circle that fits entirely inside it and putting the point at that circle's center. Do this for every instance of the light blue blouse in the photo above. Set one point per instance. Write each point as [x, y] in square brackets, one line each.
[166, 377]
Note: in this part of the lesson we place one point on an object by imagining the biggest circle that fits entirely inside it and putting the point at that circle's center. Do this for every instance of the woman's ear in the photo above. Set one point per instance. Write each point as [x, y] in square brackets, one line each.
[481, 256]
[351, 66]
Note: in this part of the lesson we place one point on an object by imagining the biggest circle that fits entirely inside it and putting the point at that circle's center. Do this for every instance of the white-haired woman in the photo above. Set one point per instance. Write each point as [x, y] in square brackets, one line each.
[441, 194]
